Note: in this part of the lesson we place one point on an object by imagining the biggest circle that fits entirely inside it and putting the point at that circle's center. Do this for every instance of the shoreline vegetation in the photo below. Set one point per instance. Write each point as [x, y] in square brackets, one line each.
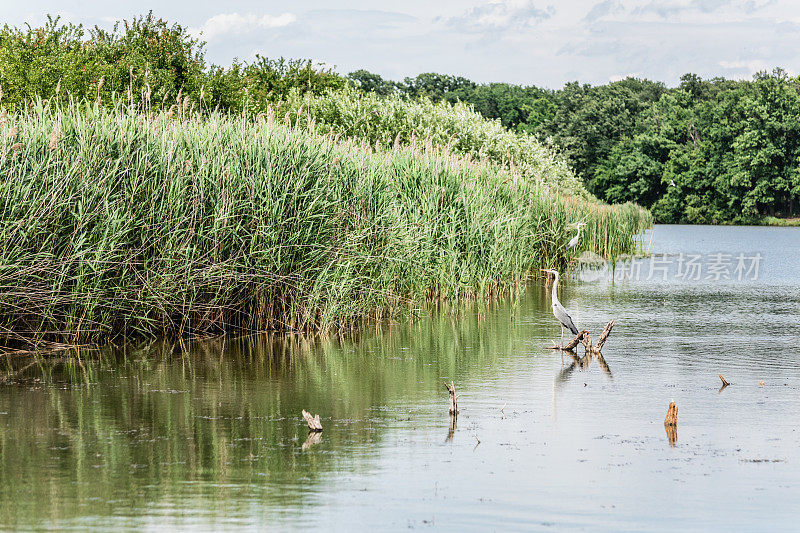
[118, 222]
[143, 194]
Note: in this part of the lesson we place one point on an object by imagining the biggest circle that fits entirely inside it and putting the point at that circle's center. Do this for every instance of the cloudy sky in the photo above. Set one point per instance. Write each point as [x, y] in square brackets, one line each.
[540, 42]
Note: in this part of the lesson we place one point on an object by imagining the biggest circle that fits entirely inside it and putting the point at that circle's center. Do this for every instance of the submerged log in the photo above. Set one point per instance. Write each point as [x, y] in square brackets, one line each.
[314, 423]
[451, 389]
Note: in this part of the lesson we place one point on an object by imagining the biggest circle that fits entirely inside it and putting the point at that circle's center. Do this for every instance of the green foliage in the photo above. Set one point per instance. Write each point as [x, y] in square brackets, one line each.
[398, 121]
[708, 151]
[731, 149]
[590, 121]
[144, 56]
[369, 82]
[270, 80]
[146, 62]
[435, 86]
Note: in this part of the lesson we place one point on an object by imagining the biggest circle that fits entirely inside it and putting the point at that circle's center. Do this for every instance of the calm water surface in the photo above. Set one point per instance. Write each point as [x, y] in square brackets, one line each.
[208, 435]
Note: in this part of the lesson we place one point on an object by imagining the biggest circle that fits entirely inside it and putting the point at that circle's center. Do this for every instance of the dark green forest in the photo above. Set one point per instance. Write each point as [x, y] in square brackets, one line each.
[707, 151]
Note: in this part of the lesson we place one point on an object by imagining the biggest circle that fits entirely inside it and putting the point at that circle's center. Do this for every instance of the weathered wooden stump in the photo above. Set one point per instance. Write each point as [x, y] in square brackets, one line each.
[672, 415]
[671, 423]
[314, 423]
[451, 389]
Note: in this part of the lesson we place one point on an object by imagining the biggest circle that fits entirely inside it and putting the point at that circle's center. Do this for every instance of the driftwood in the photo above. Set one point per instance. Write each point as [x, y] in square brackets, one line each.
[724, 383]
[584, 338]
[314, 423]
[451, 389]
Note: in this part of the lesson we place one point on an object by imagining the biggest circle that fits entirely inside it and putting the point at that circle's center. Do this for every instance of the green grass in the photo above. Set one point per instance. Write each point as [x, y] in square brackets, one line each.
[776, 221]
[118, 224]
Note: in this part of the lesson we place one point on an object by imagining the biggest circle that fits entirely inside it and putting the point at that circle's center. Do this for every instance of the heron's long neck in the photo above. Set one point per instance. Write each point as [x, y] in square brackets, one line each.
[554, 294]
[579, 232]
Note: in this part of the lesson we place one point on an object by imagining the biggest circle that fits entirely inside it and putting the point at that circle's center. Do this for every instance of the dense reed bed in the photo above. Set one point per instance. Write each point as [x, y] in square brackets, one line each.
[114, 223]
[392, 121]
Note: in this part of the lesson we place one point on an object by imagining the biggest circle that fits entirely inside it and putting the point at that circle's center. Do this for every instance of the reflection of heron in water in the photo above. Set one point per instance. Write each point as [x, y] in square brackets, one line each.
[558, 310]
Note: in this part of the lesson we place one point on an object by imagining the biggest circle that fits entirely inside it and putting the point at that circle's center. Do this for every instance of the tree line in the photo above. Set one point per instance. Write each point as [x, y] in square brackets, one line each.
[706, 151]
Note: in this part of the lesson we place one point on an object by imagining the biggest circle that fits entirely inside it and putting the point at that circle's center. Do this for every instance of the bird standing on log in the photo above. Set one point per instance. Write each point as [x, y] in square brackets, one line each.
[574, 241]
[558, 310]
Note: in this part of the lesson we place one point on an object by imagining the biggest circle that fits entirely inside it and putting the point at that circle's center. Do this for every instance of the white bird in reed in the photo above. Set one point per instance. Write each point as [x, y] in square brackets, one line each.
[574, 241]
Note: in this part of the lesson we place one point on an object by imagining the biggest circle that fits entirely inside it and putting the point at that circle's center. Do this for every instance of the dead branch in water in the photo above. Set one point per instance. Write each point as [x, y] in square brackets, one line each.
[724, 382]
[314, 423]
[584, 338]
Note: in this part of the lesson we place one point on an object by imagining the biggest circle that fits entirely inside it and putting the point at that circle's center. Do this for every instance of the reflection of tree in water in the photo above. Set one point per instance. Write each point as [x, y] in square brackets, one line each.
[209, 425]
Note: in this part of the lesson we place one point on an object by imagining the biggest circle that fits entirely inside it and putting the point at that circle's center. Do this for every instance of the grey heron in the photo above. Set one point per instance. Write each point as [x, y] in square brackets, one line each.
[574, 241]
[558, 310]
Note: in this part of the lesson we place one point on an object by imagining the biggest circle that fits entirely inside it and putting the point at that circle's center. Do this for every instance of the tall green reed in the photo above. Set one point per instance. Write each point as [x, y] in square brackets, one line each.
[115, 223]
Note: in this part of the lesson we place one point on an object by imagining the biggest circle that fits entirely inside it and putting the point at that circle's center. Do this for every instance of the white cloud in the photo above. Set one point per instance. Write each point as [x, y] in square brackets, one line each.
[602, 9]
[233, 23]
[751, 66]
[498, 16]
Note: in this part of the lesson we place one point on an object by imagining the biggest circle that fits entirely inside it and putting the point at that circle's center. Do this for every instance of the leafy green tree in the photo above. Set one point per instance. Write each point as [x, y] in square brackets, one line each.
[435, 86]
[589, 121]
[369, 82]
[143, 58]
[271, 80]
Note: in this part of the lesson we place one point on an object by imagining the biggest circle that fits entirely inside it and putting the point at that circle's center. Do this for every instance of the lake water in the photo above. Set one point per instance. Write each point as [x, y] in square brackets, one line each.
[208, 435]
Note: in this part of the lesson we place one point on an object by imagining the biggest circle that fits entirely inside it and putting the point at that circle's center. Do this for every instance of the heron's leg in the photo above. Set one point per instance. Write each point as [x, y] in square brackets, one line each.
[562, 336]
